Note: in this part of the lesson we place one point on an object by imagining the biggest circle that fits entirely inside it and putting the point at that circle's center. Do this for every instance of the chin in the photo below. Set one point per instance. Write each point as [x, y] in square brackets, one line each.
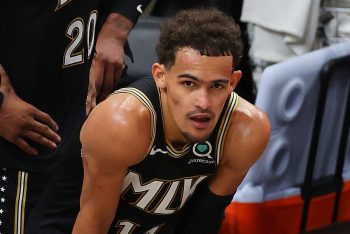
[193, 138]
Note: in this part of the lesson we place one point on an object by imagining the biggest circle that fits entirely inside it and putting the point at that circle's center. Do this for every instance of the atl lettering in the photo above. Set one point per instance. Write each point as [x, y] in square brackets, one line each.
[167, 191]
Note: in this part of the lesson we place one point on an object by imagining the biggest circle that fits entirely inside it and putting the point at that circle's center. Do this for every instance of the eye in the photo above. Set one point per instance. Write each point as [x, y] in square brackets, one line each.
[217, 86]
[188, 83]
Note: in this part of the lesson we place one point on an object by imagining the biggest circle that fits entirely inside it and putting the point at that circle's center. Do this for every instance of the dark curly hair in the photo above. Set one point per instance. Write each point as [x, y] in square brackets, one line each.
[206, 30]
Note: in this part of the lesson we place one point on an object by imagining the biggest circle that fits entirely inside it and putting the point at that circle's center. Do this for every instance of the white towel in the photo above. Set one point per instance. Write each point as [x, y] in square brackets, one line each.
[283, 28]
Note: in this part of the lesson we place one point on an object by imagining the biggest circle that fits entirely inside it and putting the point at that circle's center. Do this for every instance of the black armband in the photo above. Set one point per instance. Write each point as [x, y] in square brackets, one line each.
[203, 213]
[131, 9]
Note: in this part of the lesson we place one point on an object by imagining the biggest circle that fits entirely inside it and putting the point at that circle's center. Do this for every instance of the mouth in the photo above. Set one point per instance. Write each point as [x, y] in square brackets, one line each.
[200, 121]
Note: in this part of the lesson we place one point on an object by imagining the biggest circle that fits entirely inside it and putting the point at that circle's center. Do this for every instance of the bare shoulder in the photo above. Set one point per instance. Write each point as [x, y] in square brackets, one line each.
[118, 129]
[248, 133]
[249, 120]
[245, 141]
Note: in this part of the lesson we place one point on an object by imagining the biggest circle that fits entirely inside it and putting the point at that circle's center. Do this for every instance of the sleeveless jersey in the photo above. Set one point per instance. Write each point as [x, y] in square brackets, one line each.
[46, 47]
[155, 189]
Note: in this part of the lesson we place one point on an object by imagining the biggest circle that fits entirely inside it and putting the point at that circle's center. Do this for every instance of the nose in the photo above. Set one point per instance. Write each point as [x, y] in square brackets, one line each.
[203, 100]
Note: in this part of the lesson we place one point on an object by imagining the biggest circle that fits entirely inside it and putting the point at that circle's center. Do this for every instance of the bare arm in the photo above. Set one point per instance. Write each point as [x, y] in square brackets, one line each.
[246, 140]
[105, 138]
[108, 61]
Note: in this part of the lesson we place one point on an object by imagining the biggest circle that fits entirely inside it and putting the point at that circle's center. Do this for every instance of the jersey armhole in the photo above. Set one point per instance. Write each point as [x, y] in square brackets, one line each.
[148, 104]
[225, 123]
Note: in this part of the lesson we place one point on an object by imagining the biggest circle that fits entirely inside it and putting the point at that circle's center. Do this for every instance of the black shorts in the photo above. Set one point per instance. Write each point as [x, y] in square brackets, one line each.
[19, 192]
[57, 209]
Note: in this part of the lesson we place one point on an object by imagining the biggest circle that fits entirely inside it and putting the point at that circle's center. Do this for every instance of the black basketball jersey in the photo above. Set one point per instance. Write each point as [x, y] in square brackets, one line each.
[156, 189]
[46, 47]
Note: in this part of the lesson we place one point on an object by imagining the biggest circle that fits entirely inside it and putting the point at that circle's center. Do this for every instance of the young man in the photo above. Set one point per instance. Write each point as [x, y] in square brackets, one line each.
[46, 49]
[148, 148]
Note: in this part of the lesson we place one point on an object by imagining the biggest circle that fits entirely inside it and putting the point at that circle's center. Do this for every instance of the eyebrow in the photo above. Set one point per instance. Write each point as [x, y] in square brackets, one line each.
[195, 78]
[186, 75]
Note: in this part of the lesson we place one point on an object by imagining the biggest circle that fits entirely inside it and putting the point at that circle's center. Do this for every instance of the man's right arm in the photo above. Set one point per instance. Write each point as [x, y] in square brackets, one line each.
[107, 154]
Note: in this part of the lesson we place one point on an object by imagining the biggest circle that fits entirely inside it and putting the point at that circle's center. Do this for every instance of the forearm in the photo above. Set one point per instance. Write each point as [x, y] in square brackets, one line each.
[225, 180]
[204, 212]
[85, 223]
[118, 27]
[88, 221]
[98, 204]
[102, 183]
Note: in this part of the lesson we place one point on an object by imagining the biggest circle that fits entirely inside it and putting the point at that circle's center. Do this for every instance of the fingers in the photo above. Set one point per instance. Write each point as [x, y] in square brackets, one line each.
[42, 132]
[45, 132]
[40, 139]
[93, 101]
[27, 122]
[108, 83]
[106, 70]
[91, 96]
[4, 79]
[97, 72]
[2, 71]
[3, 76]
[90, 103]
[118, 71]
[24, 146]
[46, 120]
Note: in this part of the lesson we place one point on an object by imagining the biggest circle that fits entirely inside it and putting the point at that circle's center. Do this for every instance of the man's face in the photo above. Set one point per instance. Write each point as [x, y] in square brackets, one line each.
[196, 88]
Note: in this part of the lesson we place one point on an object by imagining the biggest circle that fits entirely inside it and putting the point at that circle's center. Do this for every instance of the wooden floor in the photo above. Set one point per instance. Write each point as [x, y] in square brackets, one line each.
[341, 228]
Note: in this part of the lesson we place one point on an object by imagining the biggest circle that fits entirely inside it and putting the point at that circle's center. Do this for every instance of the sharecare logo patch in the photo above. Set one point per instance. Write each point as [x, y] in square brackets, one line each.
[202, 149]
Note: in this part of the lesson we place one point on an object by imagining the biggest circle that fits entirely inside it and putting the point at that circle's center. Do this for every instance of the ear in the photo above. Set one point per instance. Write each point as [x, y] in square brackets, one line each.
[158, 72]
[235, 78]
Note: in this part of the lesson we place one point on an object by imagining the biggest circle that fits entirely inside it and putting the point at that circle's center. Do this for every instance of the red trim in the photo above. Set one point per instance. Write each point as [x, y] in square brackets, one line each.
[263, 218]
[283, 216]
[344, 212]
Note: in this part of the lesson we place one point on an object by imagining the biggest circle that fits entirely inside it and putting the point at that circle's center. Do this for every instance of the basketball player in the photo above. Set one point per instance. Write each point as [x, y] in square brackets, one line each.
[149, 147]
[46, 48]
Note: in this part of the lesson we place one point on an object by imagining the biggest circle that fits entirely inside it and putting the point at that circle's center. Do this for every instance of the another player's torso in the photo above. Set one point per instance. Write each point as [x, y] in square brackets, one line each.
[156, 189]
[46, 48]
[49, 45]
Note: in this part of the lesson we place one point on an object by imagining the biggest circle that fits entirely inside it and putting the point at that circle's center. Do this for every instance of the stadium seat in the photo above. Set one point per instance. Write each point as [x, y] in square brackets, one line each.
[302, 181]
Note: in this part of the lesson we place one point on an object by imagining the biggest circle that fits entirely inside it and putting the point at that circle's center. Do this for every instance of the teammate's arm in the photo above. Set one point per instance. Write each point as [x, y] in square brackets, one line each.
[245, 141]
[21, 121]
[106, 136]
[108, 61]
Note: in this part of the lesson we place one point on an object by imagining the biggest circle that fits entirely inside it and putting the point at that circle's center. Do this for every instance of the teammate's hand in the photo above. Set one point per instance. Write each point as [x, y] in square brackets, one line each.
[108, 61]
[91, 95]
[21, 121]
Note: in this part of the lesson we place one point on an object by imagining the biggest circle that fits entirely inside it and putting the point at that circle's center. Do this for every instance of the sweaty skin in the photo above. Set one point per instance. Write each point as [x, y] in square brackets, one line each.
[117, 133]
